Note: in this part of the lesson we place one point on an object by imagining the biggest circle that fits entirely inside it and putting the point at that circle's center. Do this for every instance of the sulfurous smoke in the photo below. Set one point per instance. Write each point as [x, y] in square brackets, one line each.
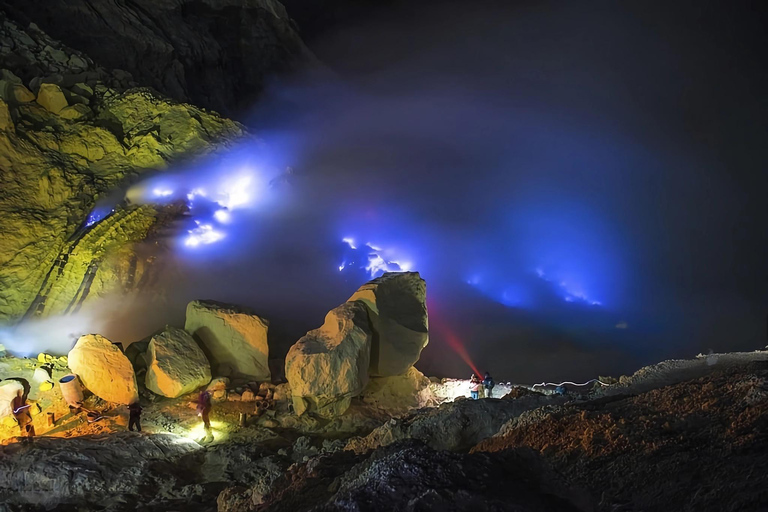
[581, 187]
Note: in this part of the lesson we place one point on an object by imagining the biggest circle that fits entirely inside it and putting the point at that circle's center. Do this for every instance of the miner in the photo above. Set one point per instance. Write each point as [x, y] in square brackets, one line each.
[488, 384]
[204, 410]
[134, 418]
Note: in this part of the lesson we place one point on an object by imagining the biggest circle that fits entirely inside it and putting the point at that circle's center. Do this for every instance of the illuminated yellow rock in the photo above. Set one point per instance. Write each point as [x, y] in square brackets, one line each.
[397, 306]
[51, 98]
[104, 369]
[46, 386]
[399, 392]
[75, 112]
[6, 121]
[175, 364]
[234, 338]
[329, 366]
[57, 160]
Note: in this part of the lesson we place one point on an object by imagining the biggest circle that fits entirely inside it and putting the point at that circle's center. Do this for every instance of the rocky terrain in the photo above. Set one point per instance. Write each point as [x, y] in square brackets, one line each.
[697, 444]
[216, 54]
[71, 131]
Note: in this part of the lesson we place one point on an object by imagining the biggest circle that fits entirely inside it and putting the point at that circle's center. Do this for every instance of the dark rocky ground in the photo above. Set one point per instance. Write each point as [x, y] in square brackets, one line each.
[700, 445]
[696, 445]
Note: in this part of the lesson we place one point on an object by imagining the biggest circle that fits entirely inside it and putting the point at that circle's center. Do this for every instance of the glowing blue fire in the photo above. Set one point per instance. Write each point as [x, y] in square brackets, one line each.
[373, 259]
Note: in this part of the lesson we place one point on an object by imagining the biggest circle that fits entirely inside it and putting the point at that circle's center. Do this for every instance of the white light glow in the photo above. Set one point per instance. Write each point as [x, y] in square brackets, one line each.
[350, 242]
[222, 216]
[204, 234]
[162, 192]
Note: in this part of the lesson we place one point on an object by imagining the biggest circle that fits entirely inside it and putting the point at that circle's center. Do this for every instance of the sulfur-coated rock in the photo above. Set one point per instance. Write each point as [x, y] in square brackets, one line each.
[51, 98]
[103, 369]
[399, 392]
[233, 337]
[56, 169]
[176, 364]
[329, 366]
[397, 309]
[75, 112]
[15, 92]
[6, 121]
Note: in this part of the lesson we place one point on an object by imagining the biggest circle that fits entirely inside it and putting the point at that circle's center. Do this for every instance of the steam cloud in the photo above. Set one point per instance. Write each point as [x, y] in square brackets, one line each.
[539, 168]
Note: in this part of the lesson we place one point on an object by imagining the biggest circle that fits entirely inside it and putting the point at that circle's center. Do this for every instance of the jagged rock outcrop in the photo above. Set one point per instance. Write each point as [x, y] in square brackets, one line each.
[329, 366]
[234, 338]
[397, 309]
[651, 449]
[103, 369]
[452, 426]
[56, 165]
[173, 45]
[175, 364]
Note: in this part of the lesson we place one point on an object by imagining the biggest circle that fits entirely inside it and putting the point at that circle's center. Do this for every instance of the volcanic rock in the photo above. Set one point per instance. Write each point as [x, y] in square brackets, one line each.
[54, 170]
[104, 369]
[75, 112]
[454, 425]
[399, 392]
[51, 98]
[6, 121]
[9, 389]
[15, 92]
[329, 366]
[172, 46]
[176, 364]
[233, 337]
[397, 309]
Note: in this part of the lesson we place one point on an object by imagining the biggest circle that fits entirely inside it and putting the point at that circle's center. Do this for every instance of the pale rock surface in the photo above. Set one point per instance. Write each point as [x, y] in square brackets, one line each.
[329, 366]
[51, 98]
[103, 369]
[398, 314]
[177, 365]
[400, 392]
[9, 389]
[233, 338]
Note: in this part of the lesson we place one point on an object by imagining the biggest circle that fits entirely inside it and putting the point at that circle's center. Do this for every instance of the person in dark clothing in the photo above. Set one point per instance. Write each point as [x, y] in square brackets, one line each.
[21, 412]
[204, 410]
[134, 418]
[488, 384]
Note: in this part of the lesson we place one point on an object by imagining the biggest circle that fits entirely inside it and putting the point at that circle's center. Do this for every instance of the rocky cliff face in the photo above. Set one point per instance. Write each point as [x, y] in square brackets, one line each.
[70, 132]
[214, 53]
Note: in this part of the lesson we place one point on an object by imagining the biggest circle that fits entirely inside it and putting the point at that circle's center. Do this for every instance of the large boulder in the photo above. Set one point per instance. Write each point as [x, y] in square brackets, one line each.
[329, 366]
[397, 305]
[176, 364]
[400, 392]
[234, 338]
[104, 369]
